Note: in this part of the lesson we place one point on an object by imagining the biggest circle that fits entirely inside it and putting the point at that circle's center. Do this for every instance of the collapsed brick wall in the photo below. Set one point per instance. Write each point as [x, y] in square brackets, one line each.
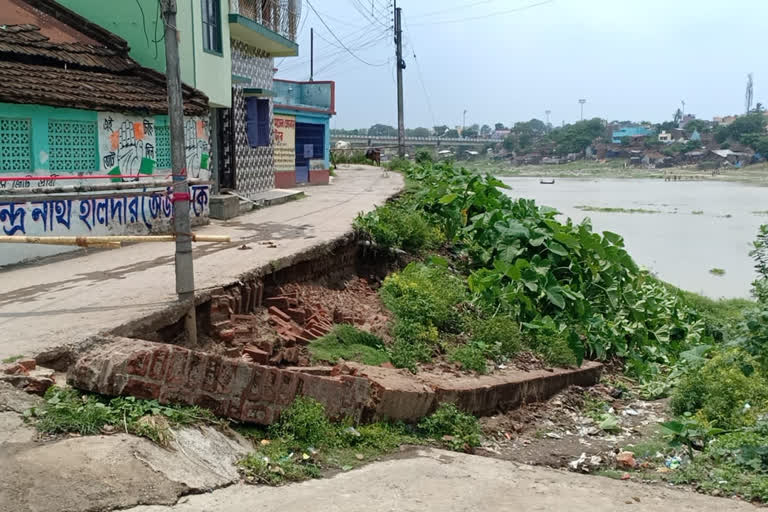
[229, 387]
[255, 393]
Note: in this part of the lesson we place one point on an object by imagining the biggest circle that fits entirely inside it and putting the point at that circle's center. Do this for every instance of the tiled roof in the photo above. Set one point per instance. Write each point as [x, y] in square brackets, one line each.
[26, 41]
[140, 90]
[101, 76]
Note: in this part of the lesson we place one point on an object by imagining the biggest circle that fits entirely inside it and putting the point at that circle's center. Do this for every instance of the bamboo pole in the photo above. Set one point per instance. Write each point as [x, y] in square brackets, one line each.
[106, 241]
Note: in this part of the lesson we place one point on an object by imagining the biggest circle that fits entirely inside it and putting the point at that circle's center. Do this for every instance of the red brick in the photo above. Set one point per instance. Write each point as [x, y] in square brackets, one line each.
[138, 364]
[258, 412]
[291, 355]
[27, 364]
[159, 363]
[226, 335]
[298, 315]
[257, 355]
[141, 389]
[15, 369]
[266, 345]
[219, 406]
[278, 302]
[278, 312]
[196, 369]
[210, 372]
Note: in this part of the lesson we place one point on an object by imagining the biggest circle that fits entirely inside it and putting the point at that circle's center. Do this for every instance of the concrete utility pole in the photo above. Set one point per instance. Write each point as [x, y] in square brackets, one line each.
[546, 113]
[582, 102]
[400, 68]
[185, 278]
[463, 121]
[311, 54]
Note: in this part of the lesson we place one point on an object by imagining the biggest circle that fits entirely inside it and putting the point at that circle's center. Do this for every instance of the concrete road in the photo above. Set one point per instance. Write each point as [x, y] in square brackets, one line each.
[48, 305]
[440, 481]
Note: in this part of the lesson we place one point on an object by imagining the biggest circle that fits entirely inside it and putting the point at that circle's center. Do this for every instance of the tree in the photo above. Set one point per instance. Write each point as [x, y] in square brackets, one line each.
[418, 132]
[382, 130]
[677, 117]
[667, 126]
[499, 126]
[470, 133]
[761, 146]
[440, 130]
[721, 134]
[485, 130]
[626, 141]
[698, 124]
[451, 134]
[752, 123]
[574, 138]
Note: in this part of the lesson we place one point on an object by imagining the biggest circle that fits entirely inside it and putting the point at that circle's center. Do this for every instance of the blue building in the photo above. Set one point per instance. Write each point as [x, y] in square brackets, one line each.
[629, 131]
[302, 116]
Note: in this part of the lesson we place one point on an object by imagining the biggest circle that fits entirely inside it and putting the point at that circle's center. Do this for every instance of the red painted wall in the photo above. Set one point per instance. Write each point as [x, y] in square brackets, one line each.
[285, 179]
[321, 177]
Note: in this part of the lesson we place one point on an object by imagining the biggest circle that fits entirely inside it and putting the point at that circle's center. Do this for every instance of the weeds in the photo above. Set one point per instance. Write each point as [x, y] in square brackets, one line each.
[717, 271]
[303, 442]
[399, 227]
[697, 212]
[12, 359]
[67, 410]
[458, 430]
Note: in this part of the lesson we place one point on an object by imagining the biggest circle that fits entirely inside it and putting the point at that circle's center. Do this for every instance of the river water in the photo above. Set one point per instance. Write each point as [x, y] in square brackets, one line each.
[677, 245]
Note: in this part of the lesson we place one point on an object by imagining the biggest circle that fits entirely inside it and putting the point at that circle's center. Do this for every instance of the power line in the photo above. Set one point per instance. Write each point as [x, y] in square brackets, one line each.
[455, 8]
[421, 78]
[337, 39]
[499, 13]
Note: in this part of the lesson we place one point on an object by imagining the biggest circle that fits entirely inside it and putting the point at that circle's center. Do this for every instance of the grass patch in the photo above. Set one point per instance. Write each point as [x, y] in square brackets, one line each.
[395, 225]
[717, 271]
[603, 209]
[697, 212]
[351, 344]
[67, 410]
[12, 359]
[760, 212]
[303, 442]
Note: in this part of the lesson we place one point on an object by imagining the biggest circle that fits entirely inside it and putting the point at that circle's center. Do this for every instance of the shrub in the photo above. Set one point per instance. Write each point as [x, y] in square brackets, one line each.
[303, 423]
[394, 225]
[472, 356]
[424, 156]
[553, 348]
[728, 390]
[425, 294]
[500, 334]
[413, 343]
[457, 429]
[398, 164]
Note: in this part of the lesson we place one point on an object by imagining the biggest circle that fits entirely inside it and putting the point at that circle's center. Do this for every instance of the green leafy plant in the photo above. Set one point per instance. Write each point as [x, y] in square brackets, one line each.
[304, 422]
[717, 271]
[68, 410]
[689, 431]
[394, 225]
[456, 429]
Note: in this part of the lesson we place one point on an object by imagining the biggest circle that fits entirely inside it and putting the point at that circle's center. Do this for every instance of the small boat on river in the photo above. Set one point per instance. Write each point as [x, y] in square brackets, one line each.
[550, 181]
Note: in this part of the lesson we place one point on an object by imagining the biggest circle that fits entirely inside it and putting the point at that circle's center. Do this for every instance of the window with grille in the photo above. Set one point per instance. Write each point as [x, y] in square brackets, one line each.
[15, 145]
[211, 26]
[72, 146]
[163, 146]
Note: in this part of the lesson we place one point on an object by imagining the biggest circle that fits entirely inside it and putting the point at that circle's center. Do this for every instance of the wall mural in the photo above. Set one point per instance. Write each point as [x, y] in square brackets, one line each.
[130, 145]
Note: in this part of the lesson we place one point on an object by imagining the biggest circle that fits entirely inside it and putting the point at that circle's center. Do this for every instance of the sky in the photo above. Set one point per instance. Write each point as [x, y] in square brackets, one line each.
[511, 60]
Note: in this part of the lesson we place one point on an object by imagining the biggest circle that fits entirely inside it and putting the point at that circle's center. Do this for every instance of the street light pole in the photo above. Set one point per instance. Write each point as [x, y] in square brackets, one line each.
[463, 122]
[582, 102]
[185, 278]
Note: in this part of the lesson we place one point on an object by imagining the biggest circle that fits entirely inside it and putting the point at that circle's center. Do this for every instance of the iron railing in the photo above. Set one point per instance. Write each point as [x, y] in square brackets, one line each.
[280, 16]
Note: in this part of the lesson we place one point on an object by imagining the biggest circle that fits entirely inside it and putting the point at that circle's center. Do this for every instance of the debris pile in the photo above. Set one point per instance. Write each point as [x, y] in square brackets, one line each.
[24, 374]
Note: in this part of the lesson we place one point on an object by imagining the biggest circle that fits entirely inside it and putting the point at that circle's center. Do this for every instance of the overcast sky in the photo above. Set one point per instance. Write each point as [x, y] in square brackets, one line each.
[629, 59]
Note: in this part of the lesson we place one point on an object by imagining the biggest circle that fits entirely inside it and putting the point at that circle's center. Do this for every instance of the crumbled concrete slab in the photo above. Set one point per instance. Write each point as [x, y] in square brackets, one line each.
[118, 471]
[14, 430]
[202, 458]
[16, 400]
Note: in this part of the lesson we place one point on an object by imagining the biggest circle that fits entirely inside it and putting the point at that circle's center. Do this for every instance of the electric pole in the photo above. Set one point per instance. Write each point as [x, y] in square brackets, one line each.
[748, 94]
[582, 102]
[185, 278]
[546, 113]
[311, 54]
[463, 121]
[400, 68]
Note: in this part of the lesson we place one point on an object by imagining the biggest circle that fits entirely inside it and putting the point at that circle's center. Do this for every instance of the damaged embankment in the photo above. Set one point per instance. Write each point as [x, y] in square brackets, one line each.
[240, 373]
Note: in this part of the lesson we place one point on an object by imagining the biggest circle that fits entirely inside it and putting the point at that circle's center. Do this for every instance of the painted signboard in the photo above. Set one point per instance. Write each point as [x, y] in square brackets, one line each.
[285, 142]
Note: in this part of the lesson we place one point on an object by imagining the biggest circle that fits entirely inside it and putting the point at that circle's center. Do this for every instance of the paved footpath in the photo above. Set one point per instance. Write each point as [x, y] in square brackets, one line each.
[47, 305]
[440, 481]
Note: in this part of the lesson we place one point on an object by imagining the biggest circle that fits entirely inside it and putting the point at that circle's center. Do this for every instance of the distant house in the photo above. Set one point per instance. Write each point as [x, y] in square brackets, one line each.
[629, 131]
[665, 137]
[500, 134]
[724, 120]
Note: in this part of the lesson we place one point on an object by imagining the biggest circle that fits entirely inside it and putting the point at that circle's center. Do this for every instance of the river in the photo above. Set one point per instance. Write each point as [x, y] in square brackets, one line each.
[676, 244]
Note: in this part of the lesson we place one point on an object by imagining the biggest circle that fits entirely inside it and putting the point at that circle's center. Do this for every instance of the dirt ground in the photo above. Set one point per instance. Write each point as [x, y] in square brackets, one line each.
[557, 432]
